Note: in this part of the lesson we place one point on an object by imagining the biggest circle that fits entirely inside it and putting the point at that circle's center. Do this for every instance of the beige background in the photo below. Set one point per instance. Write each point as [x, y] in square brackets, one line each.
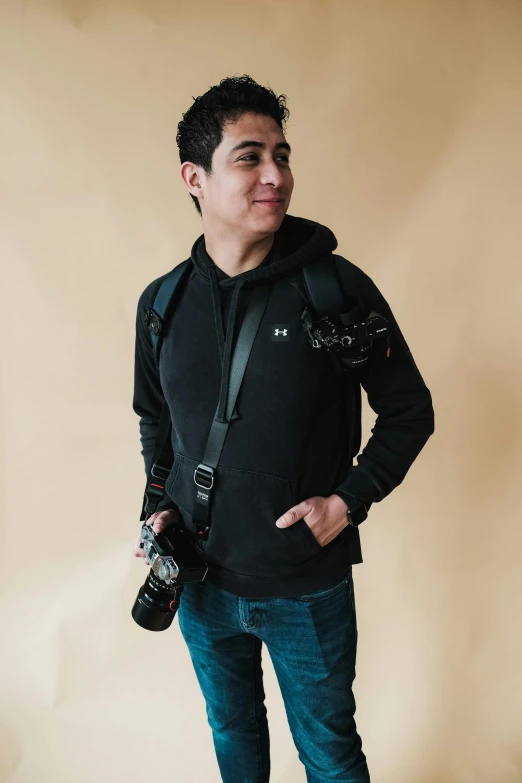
[406, 122]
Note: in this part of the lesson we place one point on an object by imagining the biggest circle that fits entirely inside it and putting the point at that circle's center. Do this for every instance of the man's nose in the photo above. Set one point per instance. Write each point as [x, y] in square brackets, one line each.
[272, 174]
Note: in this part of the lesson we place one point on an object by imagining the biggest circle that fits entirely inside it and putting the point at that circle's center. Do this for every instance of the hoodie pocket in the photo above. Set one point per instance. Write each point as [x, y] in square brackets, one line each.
[245, 505]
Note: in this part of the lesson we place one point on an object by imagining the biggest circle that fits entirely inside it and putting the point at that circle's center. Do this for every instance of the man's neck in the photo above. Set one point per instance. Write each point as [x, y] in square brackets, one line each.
[235, 254]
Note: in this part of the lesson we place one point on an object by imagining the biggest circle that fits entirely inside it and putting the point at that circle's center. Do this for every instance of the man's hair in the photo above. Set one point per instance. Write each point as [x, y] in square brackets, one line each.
[201, 129]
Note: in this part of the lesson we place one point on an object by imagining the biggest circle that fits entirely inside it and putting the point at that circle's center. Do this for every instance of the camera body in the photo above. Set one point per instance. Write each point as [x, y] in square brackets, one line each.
[175, 560]
[348, 336]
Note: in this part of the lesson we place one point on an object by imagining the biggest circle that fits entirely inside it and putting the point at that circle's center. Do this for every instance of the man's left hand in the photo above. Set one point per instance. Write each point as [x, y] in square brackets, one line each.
[325, 516]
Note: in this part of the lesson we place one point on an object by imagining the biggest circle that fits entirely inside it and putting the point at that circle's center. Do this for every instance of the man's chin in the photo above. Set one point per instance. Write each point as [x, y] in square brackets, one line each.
[272, 219]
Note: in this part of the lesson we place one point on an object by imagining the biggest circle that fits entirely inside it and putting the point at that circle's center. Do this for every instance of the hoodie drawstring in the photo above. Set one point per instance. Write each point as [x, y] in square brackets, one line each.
[218, 317]
[225, 346]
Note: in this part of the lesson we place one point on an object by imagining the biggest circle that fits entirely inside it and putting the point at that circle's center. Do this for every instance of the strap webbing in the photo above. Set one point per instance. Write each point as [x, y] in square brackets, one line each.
[160, 465]
[322, 284]
[162, 455]
[204, 474]
[164, 300]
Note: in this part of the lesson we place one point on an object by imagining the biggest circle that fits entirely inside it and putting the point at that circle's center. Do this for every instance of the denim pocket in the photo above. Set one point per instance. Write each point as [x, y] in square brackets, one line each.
[245, 505]
[320, 595]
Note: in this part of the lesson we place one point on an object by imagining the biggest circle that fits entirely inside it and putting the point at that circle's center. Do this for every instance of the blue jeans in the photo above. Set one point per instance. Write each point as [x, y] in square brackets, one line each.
[312, 641]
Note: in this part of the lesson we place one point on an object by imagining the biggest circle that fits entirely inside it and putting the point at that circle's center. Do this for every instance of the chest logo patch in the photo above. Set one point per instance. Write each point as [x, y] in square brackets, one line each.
[281, 332]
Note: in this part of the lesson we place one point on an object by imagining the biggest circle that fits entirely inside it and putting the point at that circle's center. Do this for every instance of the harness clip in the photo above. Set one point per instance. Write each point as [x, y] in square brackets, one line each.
[206, 474]
[153, 322]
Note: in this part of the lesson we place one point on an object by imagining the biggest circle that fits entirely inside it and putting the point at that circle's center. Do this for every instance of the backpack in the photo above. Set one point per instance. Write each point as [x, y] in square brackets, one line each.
[335, 322]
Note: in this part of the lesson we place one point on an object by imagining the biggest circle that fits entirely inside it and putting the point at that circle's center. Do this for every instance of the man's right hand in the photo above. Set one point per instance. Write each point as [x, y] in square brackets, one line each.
[159, 521]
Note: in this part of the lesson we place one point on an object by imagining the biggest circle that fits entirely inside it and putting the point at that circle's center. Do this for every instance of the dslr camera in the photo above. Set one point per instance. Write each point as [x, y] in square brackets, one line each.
[349, 336]
[175, 560]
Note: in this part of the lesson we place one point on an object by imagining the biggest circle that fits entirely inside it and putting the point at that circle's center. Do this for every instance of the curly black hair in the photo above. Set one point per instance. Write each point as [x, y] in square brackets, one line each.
[201, 129]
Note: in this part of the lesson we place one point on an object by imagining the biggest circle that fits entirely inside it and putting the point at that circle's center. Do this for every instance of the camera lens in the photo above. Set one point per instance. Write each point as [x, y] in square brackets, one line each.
[156, 604]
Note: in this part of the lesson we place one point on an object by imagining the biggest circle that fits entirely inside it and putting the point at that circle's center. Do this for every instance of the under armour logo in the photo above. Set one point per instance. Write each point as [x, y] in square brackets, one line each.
[280, 332]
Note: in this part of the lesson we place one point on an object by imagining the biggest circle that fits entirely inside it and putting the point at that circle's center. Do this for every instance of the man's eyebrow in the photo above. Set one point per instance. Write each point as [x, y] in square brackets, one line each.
[250, 143]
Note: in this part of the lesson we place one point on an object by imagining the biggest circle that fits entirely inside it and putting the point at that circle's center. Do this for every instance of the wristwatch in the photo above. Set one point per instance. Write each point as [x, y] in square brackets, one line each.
[356, 511]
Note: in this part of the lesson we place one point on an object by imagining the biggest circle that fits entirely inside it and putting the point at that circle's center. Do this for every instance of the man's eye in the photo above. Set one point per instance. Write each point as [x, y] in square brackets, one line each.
[285, 157]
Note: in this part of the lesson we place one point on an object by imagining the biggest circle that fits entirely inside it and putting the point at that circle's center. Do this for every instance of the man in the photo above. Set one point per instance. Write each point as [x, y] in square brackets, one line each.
[287, 501]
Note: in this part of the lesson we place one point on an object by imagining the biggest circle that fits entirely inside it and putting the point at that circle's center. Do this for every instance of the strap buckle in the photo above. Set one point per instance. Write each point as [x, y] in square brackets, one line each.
[206, 474]
[153, 322]
[159, 472]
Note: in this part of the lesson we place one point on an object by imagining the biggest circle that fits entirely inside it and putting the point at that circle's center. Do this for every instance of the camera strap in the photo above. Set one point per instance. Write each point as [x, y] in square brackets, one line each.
[161, 463]
[205, 473]
[156, 322]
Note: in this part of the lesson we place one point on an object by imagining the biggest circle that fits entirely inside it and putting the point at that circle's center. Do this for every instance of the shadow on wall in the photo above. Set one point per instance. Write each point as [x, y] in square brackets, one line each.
[10, 753]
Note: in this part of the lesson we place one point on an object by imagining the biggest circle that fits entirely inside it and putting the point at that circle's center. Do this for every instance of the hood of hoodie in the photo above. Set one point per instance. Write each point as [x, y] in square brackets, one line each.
[297, 242]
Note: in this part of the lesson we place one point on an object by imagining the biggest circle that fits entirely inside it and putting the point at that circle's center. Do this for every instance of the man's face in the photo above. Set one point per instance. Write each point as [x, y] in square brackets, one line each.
[235, 195]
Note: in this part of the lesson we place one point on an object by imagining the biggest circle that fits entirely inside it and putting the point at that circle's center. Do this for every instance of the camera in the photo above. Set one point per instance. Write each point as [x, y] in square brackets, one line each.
[175, 560]
[348, 335]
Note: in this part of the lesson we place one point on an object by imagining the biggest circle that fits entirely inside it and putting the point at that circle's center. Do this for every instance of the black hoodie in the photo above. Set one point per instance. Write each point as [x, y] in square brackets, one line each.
[289, 439]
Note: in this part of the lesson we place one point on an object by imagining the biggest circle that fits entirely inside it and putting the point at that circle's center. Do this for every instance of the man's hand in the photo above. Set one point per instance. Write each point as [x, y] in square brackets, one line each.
[159, 521]
[325, 517]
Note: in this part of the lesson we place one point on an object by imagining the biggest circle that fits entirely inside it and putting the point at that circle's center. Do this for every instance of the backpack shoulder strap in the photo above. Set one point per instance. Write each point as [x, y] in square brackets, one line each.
[168, 292]
[156, 318]
[319, 285]
[321, 289]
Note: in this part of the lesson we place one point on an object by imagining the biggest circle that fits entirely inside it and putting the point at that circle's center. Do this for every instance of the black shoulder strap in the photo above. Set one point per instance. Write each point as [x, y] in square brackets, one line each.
[168, 292]
[320, 287]
[156, 321]
[323, 286]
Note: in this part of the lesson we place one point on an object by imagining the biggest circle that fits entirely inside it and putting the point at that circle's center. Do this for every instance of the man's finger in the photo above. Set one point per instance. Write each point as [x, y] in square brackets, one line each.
[161, 521]
[158, 521]
[288, 518]
[294, 514]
